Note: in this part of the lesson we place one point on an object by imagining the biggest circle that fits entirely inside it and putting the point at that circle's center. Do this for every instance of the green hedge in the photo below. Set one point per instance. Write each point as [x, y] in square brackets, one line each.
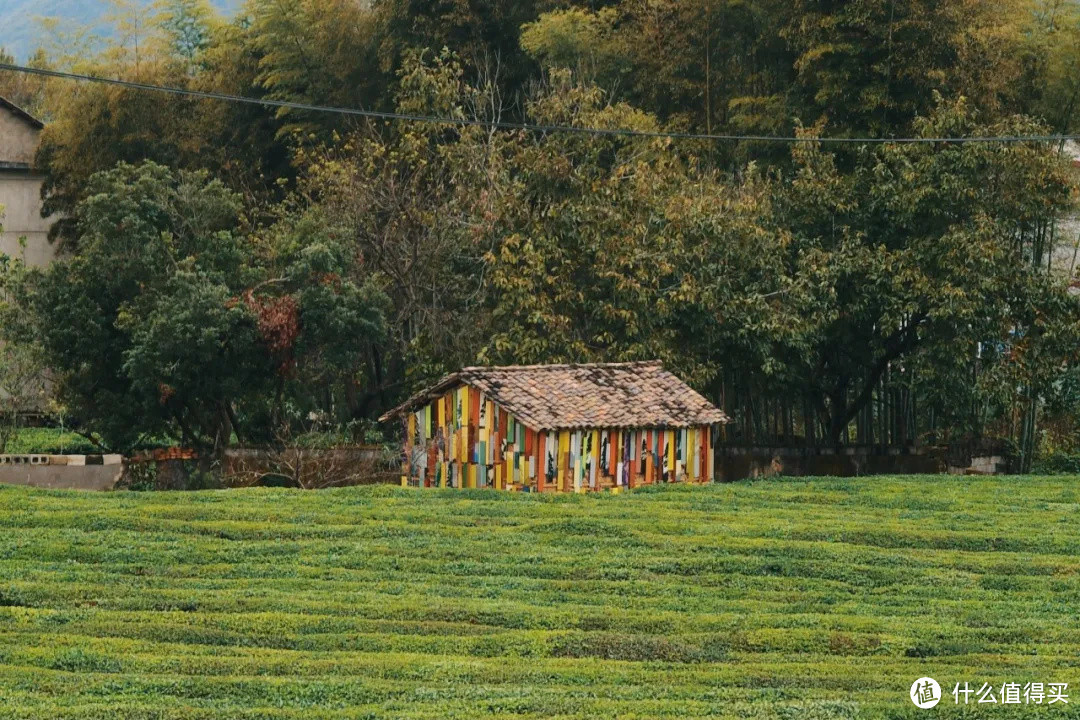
[49, 441]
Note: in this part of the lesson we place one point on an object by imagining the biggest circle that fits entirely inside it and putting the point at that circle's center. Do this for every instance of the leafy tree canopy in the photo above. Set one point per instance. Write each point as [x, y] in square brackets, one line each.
[166, 320]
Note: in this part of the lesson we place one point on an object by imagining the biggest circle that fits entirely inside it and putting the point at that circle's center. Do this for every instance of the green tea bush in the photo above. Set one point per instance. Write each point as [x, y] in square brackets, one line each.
[800, 598]
[49, 441]
[81, 661]
[616, 646]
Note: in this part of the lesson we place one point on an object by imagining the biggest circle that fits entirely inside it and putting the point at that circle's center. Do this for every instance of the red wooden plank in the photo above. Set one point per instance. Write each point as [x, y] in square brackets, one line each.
[541, 477]
[613, 454]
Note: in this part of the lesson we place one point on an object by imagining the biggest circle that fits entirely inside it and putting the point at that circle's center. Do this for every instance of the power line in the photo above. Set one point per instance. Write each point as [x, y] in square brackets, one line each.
[503, 125]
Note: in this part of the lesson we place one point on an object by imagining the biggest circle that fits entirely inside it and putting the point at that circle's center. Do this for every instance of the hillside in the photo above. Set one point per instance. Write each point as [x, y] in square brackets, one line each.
[21, 30]
[765, 600]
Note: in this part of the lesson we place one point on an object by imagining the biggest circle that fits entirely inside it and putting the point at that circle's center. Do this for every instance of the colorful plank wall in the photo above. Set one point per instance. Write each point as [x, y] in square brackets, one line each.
[465, 440]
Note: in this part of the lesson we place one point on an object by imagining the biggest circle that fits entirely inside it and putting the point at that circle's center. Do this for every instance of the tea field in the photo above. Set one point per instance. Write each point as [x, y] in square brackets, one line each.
[820, 598]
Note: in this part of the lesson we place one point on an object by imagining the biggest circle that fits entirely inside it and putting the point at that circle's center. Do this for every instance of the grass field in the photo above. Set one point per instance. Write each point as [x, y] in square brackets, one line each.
[810, 599]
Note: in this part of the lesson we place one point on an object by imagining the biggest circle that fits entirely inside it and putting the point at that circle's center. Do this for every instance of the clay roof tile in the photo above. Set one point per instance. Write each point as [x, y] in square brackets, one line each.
[575, 396]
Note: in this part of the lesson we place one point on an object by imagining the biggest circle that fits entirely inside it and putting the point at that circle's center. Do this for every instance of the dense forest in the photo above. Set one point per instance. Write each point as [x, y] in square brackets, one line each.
[233, 273]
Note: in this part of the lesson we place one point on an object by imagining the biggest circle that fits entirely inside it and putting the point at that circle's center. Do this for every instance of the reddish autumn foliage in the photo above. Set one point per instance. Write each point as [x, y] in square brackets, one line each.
[165, 391]
[278, 320]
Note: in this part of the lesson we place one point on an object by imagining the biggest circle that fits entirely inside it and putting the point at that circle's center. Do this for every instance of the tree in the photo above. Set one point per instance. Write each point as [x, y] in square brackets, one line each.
[188, 27]
[873, 66]
[92, 127]
[357, 259]
[484, 35]
[167, 321]
[322, 317]
[23, 376]
[705, 65]
[1056, 36]
[610, 248]
[921, 247]
[134, 319]
[26, 91]
[411, 202]
[317, 51]
[23, 388]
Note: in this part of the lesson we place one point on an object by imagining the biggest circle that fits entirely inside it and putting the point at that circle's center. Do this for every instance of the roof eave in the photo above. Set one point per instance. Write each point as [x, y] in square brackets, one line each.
[658, 426]
[422, 397]
[466, 376]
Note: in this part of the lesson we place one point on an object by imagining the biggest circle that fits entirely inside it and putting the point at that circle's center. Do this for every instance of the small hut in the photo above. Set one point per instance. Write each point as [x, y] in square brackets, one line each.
[557, 428]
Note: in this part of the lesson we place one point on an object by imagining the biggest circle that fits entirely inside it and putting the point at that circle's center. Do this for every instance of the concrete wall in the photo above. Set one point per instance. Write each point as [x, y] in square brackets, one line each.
[62, 472]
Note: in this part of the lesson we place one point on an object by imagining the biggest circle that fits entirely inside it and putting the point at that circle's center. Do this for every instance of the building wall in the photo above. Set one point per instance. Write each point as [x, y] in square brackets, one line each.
[465, 440]
[18, 138]
[24, 232]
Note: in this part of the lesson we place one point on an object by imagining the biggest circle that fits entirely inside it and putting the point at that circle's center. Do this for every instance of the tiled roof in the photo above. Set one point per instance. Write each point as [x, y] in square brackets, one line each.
[597, 395]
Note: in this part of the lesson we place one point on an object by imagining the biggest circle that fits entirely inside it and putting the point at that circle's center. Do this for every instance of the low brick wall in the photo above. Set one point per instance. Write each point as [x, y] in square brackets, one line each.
[62, 472]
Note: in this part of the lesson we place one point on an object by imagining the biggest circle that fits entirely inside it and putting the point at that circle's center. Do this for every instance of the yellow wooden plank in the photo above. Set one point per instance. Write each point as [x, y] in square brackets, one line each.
[691, 454]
